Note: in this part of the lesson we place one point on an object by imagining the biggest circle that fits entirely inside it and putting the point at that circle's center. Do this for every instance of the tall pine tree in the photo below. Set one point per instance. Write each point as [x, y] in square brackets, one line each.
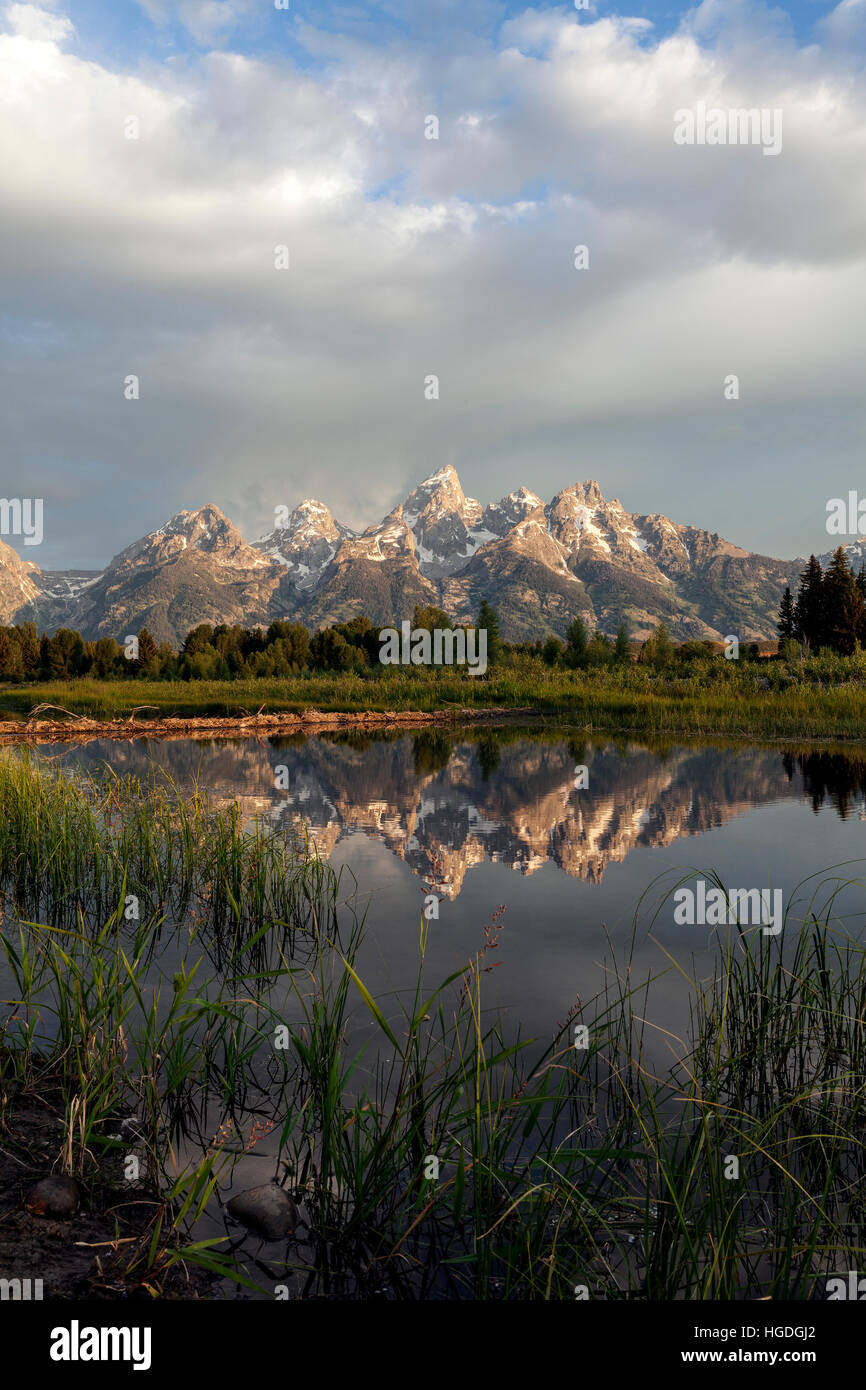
[488, 621]
[843, 605]
[861, 585]
[577, 641]
[621, 649]
[785, 625]
[809, 608]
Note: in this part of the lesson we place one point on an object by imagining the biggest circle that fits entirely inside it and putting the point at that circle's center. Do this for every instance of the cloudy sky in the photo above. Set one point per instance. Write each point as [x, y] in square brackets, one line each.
[261, 127]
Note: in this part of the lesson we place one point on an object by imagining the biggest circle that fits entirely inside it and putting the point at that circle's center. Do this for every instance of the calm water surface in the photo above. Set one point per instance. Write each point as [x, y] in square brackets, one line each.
[492, 821]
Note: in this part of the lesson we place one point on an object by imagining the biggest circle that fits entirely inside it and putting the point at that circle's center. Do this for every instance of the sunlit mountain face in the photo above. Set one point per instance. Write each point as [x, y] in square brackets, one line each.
[541, 563]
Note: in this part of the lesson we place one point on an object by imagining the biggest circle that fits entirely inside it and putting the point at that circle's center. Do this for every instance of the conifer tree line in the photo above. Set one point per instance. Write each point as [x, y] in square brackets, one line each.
[829, 609]
[216, 652]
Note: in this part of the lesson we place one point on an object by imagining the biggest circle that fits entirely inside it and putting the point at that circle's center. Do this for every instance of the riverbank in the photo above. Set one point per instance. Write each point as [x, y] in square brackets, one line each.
[43, 727]
[88, 1237]
[757, 701]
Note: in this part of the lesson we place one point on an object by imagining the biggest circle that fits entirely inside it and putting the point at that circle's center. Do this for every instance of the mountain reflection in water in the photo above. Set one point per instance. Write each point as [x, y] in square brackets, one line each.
[444, 802]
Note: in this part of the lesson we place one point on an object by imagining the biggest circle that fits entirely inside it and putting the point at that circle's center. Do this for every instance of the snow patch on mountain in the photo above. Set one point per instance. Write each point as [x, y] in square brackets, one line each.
[305, 544]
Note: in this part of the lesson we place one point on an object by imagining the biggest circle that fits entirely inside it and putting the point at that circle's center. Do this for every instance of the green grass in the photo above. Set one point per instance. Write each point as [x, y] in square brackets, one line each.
[559, 1169]
[147, 850]
[823, 697]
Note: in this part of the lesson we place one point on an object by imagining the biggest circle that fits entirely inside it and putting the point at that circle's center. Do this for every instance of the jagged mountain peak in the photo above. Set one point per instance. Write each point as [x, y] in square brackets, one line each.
[587, 494]
[305, 543]
[439, 494]
[445, 477]
[386, 540]
[205, 529]
[539, 564]
[855, 551]
[206, 518]
[309, 519]
[312, 509]
[592, 493]
[21, 583]
[500, 517]
[445, 525]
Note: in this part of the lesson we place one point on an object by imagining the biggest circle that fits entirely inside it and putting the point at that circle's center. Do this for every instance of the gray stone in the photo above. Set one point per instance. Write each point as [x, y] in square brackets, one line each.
[56, 1196]
[266, 1210]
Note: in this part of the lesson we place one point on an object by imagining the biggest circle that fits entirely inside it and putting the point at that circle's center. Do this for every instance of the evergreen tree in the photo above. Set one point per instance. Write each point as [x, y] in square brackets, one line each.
[843, 605]
[147, 662]
[11, 660]
[861, 586]
[551, 651]
[107, 658]
[28, 638]
[65, 655]
[621, 649]
[785, 625]
[147, 648]
[576, 644]
[599, 652]
[658, 649]
[489, 621]
[809, 607]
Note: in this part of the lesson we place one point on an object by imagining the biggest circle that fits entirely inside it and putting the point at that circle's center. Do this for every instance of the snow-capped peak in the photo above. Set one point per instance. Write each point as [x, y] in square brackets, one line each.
[304, 541]
[445, 524]
[206, 529]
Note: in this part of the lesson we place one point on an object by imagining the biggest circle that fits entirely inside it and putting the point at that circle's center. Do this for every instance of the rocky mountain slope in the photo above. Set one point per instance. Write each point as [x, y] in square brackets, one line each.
[540, 564]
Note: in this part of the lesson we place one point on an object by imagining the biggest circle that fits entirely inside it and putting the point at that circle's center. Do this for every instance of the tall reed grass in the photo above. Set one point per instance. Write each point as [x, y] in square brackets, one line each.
[100, 845]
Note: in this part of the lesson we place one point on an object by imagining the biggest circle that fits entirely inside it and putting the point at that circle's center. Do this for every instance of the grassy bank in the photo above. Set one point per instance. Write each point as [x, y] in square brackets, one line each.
[817, 698]
[560, 1171]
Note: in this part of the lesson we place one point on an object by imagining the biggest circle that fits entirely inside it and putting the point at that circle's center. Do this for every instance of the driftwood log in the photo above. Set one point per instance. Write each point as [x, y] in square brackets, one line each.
[42, 725]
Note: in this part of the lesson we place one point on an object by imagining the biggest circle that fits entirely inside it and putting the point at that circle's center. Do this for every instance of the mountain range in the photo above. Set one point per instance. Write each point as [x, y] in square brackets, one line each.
[539, 563]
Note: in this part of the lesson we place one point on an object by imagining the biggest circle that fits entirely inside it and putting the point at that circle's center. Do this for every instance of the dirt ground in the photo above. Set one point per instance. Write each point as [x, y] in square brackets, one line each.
[82, 1256]
[80, 729]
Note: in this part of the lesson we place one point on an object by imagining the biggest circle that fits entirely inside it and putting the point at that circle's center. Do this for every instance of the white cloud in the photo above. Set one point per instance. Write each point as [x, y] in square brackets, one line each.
[208, 21]
[845, 25]
[455, 256]
[36, 22]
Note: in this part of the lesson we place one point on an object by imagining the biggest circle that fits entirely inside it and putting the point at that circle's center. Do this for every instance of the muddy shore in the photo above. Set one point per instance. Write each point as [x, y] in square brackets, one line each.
[72, 728]
[85, 1255]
